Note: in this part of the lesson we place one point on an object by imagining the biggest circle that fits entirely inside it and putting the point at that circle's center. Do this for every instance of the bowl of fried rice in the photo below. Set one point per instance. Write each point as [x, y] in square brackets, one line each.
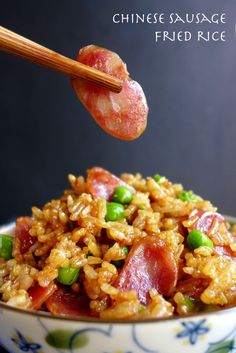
[119, 265]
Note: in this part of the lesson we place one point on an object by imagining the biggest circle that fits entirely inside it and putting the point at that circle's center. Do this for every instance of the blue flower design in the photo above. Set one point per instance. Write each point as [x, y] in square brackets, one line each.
[25, 345]
[193, 330]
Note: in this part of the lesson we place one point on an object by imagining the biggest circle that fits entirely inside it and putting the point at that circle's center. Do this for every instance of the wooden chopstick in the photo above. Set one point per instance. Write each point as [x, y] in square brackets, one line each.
[15, 44]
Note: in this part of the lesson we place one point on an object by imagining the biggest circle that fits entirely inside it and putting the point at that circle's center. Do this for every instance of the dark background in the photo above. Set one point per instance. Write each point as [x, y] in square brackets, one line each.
[190, 87]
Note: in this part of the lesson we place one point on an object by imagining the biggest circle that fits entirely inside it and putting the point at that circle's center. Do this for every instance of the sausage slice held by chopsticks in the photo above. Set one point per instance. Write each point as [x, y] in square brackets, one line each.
[122, 115]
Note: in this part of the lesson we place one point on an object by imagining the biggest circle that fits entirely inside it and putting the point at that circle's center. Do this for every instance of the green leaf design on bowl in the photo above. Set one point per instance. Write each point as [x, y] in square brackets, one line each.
[65, 339]
[221, 347]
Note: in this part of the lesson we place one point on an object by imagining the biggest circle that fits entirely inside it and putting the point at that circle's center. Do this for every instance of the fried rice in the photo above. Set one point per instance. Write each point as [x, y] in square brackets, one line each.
[74, 232]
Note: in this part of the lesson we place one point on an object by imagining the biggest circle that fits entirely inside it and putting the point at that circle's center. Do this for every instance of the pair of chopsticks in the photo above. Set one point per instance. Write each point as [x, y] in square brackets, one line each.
[15, 44]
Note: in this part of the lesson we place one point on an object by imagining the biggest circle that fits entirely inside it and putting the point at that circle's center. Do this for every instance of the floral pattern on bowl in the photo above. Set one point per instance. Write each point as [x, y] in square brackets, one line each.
[22, 332]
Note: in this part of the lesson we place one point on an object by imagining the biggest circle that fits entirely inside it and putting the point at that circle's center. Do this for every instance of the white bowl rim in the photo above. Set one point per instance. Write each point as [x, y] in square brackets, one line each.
[86, 319]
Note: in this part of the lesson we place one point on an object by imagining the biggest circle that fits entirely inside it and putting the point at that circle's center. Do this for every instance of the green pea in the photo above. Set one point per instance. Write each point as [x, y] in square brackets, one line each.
[159, 179]
[6, 244]
[119, 263]
[68, 275]
[188, 196]
[193, 304]
[122, 194]
[196, 239]
[115, 211]
[125, 250]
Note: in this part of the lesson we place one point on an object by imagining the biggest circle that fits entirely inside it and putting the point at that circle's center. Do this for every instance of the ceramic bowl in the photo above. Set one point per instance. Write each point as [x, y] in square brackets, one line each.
[38, 332]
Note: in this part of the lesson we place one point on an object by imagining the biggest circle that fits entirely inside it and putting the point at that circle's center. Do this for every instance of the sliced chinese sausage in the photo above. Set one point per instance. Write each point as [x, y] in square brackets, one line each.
[192, 287]
[40, 294]
[101, 183]
[103, 60]
[206, 221]
[23, 239]
[122, 115]
[225, 251]
[150, 264]
[67, 303]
